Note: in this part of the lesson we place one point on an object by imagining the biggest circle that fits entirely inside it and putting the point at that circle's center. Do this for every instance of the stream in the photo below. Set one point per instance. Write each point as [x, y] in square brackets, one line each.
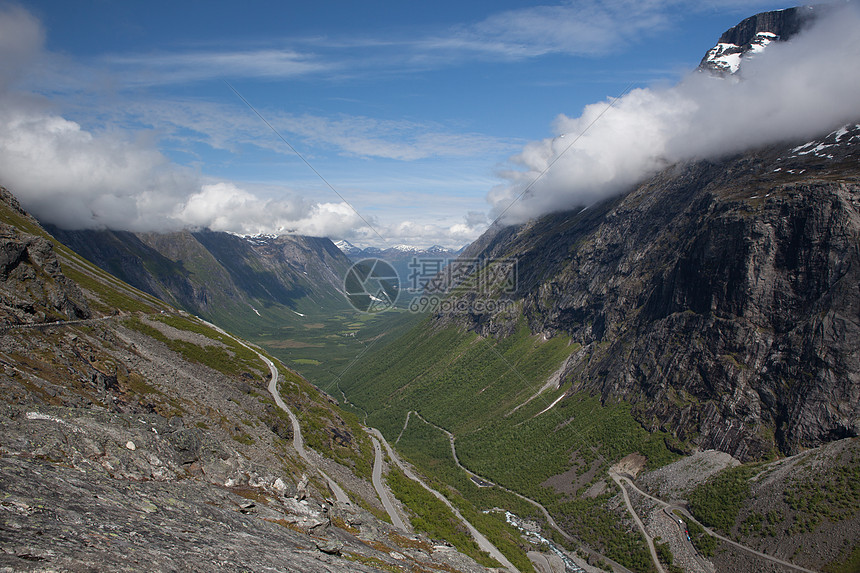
[533, 531]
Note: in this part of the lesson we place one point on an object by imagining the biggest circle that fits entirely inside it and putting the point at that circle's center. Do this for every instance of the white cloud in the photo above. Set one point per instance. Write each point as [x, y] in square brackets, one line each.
[228, 127]
[21, 39]
[792, 90]
[581, 28]
[419, 233]
[78, 179]
[156, 69]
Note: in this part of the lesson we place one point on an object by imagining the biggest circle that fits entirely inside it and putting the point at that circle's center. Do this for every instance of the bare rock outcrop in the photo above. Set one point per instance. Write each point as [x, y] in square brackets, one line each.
[33, 288]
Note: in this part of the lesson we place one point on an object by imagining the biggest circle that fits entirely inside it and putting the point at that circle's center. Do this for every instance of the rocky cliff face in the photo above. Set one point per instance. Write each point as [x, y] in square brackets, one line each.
[754, 34]
[33, 288]
[720, 297]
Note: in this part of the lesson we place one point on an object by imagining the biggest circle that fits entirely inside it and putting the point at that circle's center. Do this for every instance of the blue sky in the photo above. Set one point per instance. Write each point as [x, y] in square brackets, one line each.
[412, 112]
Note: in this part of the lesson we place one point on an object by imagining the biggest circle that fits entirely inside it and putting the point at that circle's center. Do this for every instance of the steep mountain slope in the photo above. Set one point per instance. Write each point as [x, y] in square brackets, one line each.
[284, 293]
[242, 283]
[137, 437]
[719, 298]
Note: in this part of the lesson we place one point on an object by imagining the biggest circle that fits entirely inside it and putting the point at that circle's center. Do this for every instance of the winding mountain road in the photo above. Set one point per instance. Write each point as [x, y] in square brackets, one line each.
[712, 533]
[552, 523]
[617, 479]
[471, 474]
[381, 491]
[483, 543]
[298, 441]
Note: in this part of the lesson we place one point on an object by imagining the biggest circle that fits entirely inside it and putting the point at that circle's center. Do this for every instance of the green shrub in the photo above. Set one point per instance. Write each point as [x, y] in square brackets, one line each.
[716, 502]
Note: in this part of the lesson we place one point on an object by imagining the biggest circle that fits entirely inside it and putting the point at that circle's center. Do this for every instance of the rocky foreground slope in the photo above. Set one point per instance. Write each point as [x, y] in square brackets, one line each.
[138, 438]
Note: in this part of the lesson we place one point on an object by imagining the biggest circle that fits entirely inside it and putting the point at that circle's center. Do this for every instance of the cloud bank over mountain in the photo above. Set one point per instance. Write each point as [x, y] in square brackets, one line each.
[77, 178]
[80, 177]
[792, 90]
[104, 166]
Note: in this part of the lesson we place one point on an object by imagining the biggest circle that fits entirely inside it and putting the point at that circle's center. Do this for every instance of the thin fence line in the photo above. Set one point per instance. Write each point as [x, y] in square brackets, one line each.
[302, 157]
[559, 156]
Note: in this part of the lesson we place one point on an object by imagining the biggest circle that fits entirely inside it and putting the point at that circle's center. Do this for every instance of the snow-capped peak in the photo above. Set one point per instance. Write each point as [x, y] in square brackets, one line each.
[346, 246]
[726, 57]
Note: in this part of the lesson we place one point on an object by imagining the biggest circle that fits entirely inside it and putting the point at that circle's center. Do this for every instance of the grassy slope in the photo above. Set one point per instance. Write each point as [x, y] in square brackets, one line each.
[470, 386]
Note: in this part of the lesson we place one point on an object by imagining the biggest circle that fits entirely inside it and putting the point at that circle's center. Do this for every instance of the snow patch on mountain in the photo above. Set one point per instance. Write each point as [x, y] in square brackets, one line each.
[725, 57]
[346, 247]
[397, 251]
[845, 135]
[761, 40]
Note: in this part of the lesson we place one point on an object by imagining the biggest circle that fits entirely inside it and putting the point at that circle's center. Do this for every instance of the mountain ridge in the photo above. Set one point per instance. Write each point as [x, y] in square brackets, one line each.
[739, 224]
[232, 280]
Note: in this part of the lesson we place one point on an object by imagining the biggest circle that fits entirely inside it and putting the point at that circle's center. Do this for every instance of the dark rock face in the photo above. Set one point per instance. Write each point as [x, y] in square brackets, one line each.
[754, 33]
[784, 23]
[720, 298]
[33, 288]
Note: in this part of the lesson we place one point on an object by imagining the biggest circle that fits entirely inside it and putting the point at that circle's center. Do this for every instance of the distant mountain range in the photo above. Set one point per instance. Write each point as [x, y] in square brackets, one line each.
[396, 252]
[414, 265]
